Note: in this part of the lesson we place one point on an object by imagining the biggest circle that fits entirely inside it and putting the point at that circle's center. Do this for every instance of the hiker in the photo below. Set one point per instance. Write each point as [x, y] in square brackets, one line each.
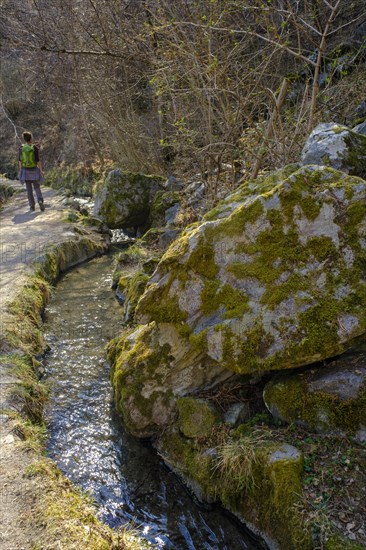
[30, 170]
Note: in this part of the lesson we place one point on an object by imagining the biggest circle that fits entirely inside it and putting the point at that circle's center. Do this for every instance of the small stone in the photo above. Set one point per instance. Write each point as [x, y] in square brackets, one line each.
[173, 184]
[286, 452]
[237, 414]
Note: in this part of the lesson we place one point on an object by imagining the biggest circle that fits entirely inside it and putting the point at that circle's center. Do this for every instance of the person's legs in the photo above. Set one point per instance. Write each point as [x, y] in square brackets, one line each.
[29, 188]
[38, 191]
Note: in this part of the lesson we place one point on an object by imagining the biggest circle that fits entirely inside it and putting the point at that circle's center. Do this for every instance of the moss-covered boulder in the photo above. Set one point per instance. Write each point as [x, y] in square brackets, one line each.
[258, 481]
[145, 404]
[336, 146]
[274, 277]
[151, 368]
[331, 399]
[124, 199]
[196, 417]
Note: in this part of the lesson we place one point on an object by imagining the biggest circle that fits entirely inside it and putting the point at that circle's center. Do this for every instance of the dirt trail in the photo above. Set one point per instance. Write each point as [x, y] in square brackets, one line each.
[24, 235]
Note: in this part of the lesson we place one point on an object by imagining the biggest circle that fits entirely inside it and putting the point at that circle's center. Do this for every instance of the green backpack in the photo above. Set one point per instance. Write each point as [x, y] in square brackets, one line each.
[28, 156]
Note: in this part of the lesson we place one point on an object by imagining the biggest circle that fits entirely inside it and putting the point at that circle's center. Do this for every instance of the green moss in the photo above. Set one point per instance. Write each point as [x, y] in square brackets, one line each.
[199, 341]
[201, 260]
[76, 180]
[319, 411]
[196, 417]
[356, 213]
[339, 542]
[214, 296]
[132, 286]
[176, 250]
[260, 186]
[234, 225]
[271, 500]
[23, 328]
[243, 476]
[281, 292]
[246, 355]
[160, 307]
[132, 366]
[319, 326]
[194, 464]
[162, 201]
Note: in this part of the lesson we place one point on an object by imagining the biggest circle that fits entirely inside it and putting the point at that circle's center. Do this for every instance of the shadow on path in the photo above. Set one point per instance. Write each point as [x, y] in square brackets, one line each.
[27, 217]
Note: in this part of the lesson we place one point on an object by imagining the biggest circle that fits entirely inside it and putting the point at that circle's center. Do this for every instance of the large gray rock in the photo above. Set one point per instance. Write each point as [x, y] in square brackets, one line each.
[124, 199]
[172, 215]
[336, 146]
[330, 399]
[153, 367]
[272, 279]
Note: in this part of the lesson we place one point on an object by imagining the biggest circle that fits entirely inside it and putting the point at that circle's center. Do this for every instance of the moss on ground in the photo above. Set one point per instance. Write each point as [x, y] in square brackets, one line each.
[282, 493]
[242, 474]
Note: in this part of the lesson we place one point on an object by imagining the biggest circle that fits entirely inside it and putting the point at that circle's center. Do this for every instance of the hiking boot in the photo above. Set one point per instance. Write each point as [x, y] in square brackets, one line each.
[41, 205]
[31, 209]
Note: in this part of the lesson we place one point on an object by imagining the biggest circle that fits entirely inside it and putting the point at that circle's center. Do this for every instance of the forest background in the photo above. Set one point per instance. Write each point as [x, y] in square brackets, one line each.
[206, 86]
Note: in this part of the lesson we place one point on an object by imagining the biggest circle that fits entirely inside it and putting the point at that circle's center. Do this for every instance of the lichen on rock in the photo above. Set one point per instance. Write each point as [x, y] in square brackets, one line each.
[337, 146]
[261, 282]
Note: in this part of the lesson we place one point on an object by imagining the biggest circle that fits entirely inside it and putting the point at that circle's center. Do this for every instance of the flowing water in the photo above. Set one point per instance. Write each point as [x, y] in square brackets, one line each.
[128, 481]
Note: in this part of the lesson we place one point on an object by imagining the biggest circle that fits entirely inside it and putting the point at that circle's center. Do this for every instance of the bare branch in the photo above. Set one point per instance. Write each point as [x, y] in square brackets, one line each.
[247, 33]
[7, 116]
[105, 53]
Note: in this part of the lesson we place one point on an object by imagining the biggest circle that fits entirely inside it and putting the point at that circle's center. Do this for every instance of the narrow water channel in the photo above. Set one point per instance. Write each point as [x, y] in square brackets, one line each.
[88, 443]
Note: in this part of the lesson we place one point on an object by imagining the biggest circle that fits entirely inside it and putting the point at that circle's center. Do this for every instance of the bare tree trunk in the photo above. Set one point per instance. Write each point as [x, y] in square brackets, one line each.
[315, 88]
[269, 132]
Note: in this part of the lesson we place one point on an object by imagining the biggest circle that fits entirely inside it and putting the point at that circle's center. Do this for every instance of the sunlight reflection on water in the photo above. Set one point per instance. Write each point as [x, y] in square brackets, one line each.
[127, 480]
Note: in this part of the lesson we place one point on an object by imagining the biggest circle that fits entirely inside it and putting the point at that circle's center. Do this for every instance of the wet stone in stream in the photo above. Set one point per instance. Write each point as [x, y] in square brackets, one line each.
[86, 439]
